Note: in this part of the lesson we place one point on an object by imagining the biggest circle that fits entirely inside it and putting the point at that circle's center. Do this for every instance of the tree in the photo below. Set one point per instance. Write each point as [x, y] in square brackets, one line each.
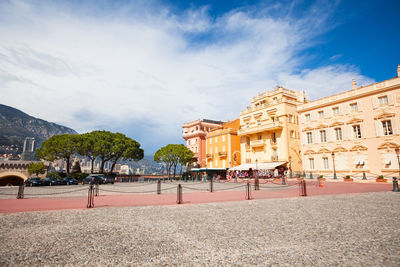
[59, 147]
[185, 155]
[76, 167]
[36, 168]
[86, 147]
[125, 148]
[169, 154]
[103, 147]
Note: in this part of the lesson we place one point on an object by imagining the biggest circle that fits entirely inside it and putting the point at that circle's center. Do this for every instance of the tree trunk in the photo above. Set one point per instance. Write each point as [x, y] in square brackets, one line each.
[92, 164]
[113, 166]
[180, 173]
[102, 165]
[174, 170]
[68, 159]
[169, 170]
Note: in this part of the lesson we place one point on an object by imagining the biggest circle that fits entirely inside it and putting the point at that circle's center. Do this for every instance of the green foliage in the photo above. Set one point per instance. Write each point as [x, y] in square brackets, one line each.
[380, 177]
[59, 147]
[36, 168]
[172, 155]
[78, 176]
[54, 175]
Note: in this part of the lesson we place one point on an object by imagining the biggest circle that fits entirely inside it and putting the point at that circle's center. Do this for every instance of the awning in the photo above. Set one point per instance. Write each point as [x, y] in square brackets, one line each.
[259, 166]
[207, 169]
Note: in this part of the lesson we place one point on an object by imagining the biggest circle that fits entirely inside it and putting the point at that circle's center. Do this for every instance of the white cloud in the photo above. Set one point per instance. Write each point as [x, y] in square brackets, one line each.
[140, 63]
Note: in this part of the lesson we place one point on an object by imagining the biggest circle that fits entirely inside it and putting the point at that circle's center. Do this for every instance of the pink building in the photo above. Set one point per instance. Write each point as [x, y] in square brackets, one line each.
[353, 132]
[195, 134]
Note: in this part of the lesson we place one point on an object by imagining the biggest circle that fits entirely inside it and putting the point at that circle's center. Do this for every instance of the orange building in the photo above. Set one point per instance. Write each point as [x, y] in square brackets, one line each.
[195, 133]
[223, 146]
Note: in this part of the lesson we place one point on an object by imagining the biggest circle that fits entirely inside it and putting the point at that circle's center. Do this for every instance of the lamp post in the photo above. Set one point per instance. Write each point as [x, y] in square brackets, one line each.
[398, 158]
[334, 169]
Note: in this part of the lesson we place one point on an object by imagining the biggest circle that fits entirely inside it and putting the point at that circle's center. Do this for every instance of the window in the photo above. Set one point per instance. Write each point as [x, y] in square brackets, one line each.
[275, 156]
[383, 100]
[309, 138]
[189, 142]
[258, 122]
[323, 136]
[196, 140]
[260, 137]
[248, 140]
[308, 117]
[353, 107]
[223, 164]
[223, 138]
[210, 141]
[335, 111]
[247, 125]
[216, 163]
[291, 118]
[357, 131]
[387, 127]
[210, 150]
[321, 114]
[326, 163]
[292, 134]
[216, 149]
[216, 139]
[223, 149]
[274, 138]
[311, 162]
[338, 133]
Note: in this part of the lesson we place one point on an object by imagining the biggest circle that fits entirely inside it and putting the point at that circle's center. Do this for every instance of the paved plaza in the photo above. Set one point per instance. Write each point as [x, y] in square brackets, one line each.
[351, 229]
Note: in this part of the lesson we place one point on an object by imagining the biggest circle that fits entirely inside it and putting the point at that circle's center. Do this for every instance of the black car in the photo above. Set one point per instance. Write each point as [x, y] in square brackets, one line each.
[109, 180]
[35, 182]
[93, 179]
[51, 181]
[67, 180]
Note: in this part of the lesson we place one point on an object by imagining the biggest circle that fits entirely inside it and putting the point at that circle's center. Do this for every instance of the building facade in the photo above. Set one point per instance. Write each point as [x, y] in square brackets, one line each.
[195, 134]
[353, 132]
[223, 146]
[269, 128]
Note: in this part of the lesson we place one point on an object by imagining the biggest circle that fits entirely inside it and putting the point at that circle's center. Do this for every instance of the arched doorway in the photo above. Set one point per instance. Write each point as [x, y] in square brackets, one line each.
[12, 178]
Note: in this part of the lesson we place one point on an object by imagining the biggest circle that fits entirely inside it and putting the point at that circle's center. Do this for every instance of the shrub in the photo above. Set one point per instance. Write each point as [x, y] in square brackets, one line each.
[54, 175]
[380, 177]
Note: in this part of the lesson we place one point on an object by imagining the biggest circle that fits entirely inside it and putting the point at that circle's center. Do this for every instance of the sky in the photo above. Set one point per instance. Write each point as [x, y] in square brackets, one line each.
[143, 68]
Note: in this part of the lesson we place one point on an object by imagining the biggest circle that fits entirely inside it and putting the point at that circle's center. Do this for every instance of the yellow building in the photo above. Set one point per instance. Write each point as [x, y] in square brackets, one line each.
[269, 130]
[223, 146]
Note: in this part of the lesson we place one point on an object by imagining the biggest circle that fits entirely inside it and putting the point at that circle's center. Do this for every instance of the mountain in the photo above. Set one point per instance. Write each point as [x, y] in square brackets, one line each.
[16, 125]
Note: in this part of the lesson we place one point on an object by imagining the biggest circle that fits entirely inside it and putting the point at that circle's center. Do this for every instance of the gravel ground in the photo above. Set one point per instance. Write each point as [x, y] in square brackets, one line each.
[346, 230]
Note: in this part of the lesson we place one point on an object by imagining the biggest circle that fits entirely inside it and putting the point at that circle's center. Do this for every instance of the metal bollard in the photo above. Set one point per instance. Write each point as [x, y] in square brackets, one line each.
[256, 184]
[90, 203]
[395, 185]
[211, 185]
[97, 189]
[158, 187]
[303, 188]
[21, 191]
[283, 180]
[248, 191]
[179, 195]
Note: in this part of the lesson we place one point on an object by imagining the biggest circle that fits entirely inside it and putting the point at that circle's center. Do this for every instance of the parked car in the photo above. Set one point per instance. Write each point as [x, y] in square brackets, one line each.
[93, 179]
[109, 180]
[51, 181]
[34, 182]
[68, 181]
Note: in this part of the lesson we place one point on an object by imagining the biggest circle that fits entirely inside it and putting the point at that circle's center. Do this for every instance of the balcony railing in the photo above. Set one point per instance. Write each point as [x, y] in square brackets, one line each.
[261, 128]
[257, 143]
[210, 155]
[274, 158]
[222, 154]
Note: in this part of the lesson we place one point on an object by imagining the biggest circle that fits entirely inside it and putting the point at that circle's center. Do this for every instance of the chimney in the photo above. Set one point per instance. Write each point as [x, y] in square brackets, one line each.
[398, 70]
[354, 85]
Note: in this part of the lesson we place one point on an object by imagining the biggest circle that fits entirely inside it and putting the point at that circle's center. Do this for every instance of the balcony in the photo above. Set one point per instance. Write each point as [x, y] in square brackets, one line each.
[261, 128]
[258, 143]
[273, 142]
[222, 154]
[210, 156]
[193, 134]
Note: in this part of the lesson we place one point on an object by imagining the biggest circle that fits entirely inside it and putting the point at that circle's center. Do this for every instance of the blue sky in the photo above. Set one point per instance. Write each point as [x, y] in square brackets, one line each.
[145, 67]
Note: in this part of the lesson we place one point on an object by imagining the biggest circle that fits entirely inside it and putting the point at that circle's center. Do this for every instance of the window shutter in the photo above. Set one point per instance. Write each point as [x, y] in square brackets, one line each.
[350, 132]
[390, 99]
[378, 128]
[374, 102]
[395, 125]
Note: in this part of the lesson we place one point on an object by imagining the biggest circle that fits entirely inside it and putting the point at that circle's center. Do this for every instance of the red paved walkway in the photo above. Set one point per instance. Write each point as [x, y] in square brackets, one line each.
[42, 204]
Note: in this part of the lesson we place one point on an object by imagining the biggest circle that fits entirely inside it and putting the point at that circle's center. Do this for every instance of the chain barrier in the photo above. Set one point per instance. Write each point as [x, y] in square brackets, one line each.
[56, 193]
[90, 203]
[124, 192]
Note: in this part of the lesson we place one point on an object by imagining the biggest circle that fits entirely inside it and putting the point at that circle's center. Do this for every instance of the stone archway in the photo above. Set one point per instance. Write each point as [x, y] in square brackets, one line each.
[12, 178]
